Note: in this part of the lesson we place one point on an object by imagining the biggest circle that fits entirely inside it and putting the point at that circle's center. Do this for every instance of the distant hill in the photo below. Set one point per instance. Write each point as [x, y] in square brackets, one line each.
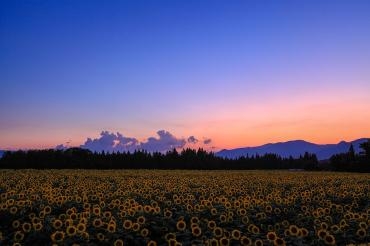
[294, 149]
[1, 153]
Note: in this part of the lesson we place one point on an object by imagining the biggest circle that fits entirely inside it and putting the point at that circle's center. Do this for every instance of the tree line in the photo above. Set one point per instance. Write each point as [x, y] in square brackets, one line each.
[352, 162]
[78, 158]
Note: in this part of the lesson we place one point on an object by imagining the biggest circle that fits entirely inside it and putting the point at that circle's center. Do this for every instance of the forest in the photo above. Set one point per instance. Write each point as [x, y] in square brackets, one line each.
[78, 158]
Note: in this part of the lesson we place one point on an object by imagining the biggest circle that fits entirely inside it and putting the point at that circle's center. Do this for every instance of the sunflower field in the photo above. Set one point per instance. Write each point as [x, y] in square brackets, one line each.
[163, 207]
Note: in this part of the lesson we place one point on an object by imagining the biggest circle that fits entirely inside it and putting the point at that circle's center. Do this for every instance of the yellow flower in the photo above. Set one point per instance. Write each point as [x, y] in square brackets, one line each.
[26, 227]
[152, 243]
[118, 242]
[245, 241]
[279, 242]
[329, 240]
[57, 224]
[196, 231]
[236, 234]
[100, 236]
[57, 236]
[71, 231]
[271, 236]
[218, 232]
[18, 236]
[361, 233]
[181, 225]
[224, 241]
[144, 232]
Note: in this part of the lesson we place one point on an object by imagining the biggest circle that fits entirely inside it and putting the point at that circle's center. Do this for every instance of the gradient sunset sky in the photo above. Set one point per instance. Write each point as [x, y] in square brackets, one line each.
[242, 73]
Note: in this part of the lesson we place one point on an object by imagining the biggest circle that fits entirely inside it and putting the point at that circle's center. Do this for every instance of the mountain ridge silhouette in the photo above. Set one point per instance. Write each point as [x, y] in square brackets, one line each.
[294, 148]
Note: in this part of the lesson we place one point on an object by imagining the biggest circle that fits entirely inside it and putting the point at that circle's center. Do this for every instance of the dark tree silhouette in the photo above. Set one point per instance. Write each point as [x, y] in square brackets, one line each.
[351, 152]
[350, 162]
[366, 149]
[186, 159]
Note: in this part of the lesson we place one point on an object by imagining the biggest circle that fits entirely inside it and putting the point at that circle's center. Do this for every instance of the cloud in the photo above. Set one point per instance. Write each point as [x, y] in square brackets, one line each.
[110, 142]
[165, 142]
[61, 147]
[192, 140]
[117, 142]
[207, 141]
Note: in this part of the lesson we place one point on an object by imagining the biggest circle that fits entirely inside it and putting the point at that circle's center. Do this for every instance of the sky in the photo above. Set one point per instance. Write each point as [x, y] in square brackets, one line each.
[215, 74]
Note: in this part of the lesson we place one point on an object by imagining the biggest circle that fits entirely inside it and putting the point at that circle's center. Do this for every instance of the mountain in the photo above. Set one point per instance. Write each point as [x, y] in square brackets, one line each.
[1, 153]
[294, 149]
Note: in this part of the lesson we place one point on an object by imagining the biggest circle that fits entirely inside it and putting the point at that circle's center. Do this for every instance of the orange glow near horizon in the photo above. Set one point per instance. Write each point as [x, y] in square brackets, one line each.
[328, 119]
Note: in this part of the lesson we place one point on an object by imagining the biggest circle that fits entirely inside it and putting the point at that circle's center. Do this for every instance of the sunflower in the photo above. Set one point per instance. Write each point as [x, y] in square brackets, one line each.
[285, 223]
[68, 222]
[224, 241]
[242, 212]
[73, 216]
[245, 220]
[170, 236]
[118, 242]
[335, 229]
[71, 231]
[271, 236]
[329, 240]
[322, 233]
[363, 225]
[97, 223]
[135, 226]
[141, 220]
[100, 236]
[167, 214]
[37, 226]
[279, 242]
[324, 226]
[26, 227]
[57, 224]
[144, 232]
[245, 241]
[85, 235]
[13, 210]
[196, 231]
[303, 232]
[147, 209]
[81, 228]
[194, 220]
[151, 243]
[211, 224]
[255, 229]
[218, 232]
[181, 225]
[83, 220]
[47, 209]
[61, 216]
[57, 236]
[361, 233]
[223, 218]
[18, 236]
[16, 224]
[107, 214]
[172, 242]
[213, 242]
[96, 211]
[235, 234]
[111, 227]
[293, 230]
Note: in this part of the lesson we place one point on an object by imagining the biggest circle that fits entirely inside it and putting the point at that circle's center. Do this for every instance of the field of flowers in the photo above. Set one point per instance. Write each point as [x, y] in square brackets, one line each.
[151, 207]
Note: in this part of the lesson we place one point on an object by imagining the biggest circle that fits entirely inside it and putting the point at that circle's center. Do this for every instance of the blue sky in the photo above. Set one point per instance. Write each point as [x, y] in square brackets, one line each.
[214, 69]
